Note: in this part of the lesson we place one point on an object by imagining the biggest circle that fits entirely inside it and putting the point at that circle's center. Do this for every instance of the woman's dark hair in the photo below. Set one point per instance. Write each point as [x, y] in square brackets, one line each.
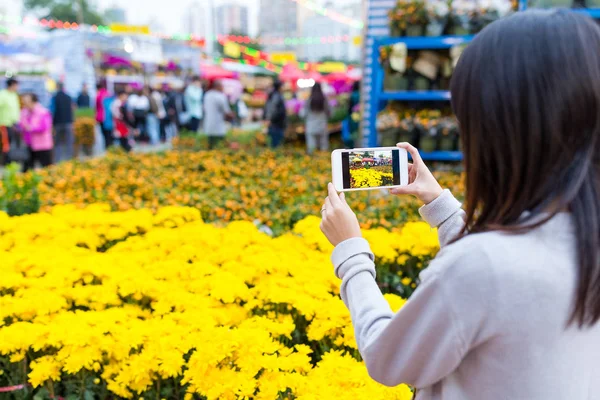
[356, 86]
[317, 98]
[10, 82]
[526, 93]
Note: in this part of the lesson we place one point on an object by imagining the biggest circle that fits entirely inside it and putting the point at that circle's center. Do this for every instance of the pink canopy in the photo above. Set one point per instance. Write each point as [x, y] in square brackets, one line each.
[116, 61]
[209, 71]
[291, 73]
[315, 75]
[341, 77]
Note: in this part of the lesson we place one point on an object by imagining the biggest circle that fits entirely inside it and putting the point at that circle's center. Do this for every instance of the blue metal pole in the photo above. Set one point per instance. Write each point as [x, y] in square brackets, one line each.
[376, 89]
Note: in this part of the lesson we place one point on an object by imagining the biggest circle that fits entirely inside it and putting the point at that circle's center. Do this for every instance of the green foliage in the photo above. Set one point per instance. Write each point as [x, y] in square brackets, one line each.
[65, 10]
[19, 192]
[85, 112]
[338, 114]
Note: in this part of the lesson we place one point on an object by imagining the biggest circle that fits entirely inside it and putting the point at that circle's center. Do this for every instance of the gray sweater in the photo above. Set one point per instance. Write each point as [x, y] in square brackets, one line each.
[488, 321]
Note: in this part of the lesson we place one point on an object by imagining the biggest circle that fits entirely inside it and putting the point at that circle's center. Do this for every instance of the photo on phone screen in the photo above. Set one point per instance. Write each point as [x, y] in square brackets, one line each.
[370, 169]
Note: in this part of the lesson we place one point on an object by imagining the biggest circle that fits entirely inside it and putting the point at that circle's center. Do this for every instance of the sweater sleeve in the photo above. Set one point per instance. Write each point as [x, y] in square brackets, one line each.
[444, 213]
[425, 341]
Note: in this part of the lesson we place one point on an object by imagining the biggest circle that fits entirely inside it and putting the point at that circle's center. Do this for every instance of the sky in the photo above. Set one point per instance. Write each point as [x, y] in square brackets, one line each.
[167, 14]
[171, 17]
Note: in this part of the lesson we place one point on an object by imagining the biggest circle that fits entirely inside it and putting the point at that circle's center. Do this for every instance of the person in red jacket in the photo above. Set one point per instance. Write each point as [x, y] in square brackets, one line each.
[119, 113]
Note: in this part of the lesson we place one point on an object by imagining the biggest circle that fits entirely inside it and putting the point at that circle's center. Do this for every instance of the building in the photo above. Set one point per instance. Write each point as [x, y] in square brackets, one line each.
[322, 26]
[198, 21]
[115, 15]
[278, 19]
[232, 18]
[352, 52]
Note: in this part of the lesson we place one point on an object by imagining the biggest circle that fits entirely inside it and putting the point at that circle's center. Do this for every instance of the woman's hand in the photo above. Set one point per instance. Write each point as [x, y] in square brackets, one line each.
[339, 221]
[421, 183]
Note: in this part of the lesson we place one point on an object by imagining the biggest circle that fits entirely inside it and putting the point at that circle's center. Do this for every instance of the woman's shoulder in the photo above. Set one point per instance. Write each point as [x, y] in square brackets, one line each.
[490, 257]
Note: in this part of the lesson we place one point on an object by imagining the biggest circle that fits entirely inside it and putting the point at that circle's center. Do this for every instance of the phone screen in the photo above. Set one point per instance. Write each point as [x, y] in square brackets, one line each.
[370, 169]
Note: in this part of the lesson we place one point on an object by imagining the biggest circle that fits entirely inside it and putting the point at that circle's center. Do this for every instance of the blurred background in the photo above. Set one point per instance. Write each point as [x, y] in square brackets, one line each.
[83, 41]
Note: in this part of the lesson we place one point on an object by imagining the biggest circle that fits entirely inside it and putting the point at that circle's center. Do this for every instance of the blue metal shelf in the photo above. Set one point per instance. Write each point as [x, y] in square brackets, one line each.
[425, 42]
[592, 12]
[378, 96]
[442, 156]
[425, 95]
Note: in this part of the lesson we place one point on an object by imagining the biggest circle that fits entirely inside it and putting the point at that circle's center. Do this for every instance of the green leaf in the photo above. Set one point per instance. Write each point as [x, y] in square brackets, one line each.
[88, 395]
[41, 394]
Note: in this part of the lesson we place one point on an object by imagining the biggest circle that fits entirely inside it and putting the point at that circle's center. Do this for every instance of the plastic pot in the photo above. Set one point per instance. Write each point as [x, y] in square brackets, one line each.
[447, 143]
[414, 30]
[389, 137]
[428, 143]
[436, 28]
[394, 81]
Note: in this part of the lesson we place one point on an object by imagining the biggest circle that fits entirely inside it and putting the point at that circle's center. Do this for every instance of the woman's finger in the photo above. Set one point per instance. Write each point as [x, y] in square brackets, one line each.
[333, 197]
[328, 207]
[412, 150]
[343, 198]
[408, 189]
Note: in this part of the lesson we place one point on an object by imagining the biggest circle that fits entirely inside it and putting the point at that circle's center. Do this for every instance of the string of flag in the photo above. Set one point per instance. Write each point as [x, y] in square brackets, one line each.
[144, 30]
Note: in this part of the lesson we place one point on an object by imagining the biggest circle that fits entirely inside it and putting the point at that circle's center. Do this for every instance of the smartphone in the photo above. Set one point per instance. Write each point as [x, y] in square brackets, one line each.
[367, 169]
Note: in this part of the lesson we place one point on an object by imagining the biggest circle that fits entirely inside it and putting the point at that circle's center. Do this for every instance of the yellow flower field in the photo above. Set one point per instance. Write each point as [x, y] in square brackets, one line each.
[276, 188]
[159, 304]
[364, 178]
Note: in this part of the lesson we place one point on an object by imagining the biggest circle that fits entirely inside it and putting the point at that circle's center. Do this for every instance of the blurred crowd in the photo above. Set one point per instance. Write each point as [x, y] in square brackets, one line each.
[132, 114]
[136, 113]
[33, 134]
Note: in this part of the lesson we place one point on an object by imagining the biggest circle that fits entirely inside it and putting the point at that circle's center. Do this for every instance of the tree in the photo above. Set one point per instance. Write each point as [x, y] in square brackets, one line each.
[66, 10]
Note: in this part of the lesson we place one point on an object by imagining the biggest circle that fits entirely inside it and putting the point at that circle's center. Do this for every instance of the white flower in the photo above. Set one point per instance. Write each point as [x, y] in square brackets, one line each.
[438, 8]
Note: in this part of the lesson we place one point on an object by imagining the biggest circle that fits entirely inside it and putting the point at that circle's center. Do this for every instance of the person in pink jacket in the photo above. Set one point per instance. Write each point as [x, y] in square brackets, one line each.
[36, 127]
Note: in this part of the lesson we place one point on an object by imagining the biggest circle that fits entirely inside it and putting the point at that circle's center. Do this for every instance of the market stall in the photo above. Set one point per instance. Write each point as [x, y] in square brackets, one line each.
[213, 72]
[32, 71]
[413, 47]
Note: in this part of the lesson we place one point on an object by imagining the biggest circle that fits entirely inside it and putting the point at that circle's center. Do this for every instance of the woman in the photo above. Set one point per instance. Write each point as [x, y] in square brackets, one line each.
[139, 106]
[509, 308]
[36, 128]
[101, 95]
[153, 117]
[276, 115]
[119, 114]
[317, 115]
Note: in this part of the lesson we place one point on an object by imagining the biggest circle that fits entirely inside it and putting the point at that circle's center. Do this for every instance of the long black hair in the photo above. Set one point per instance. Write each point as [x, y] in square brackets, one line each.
[317, 98]
[526, 93]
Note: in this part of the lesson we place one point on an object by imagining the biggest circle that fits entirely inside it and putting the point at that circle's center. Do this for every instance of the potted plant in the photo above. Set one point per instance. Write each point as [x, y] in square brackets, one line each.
[426, 122]
[459, 21]
[408, 18]
[407, 128]
[395, 61]
[448, 134]
[85, 135]
[488, 11]
[437, 17]
[388, 123]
